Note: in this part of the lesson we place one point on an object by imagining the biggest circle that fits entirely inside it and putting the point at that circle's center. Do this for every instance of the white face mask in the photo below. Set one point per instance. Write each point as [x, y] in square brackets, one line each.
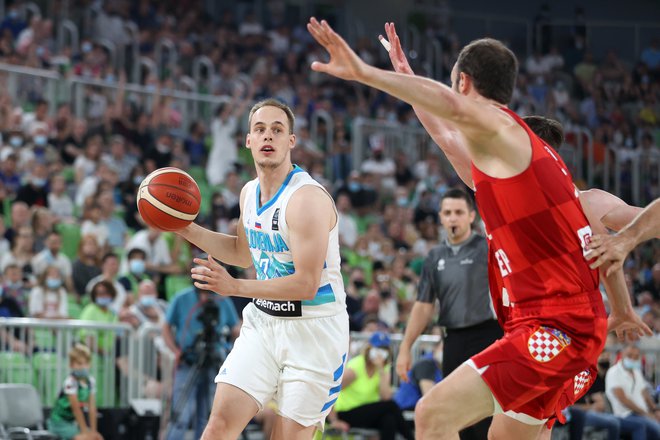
[378, 353]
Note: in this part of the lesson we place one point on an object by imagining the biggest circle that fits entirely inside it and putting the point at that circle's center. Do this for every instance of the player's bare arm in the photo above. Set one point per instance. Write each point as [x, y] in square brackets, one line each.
[497, 144]
[446, 136]
[611, 211]
[230, 249]
[310, 216]
[614, 249]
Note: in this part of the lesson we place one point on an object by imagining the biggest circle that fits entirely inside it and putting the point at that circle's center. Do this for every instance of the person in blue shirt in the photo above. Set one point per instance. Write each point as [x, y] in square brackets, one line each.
[425, 373]
[199, 325]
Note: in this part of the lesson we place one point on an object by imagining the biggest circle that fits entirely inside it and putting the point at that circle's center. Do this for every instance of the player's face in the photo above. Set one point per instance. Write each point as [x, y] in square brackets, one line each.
[269, 138]
[456, 217]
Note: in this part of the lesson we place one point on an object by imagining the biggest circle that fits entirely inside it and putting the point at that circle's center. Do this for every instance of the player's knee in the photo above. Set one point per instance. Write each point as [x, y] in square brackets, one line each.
[429, 415]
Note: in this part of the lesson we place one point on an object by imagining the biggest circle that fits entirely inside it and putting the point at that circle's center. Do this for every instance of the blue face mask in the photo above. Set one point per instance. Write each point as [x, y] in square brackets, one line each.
[39, 182]
[103, 301]
[138, 179]
[86, 47]
[631, 364]
[15, 285]
[353, 186]
[148, 301]
[137, 266]
[13, 14]
[53, 283]
[16, 141]
[40, 140]
[80, 373]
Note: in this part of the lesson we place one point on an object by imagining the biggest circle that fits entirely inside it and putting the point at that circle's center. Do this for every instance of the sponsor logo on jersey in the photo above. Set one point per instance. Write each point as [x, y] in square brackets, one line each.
[546, 343]
[276, 220]
[279, 308]
[467, 261]
[441, 264]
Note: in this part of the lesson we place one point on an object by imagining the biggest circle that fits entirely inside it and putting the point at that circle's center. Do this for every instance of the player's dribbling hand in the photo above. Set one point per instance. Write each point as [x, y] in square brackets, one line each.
[210, 275]
[397, 56]
[403, 365]
[628, 327]
[344, 62]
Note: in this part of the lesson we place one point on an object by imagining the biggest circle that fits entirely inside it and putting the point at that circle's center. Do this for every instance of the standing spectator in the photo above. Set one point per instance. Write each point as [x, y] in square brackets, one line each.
[224, 151]
[455, 274]
[182, 332]
[628, 392]
[365, 399]
[48, 298]
[86, 266]
[109, 271]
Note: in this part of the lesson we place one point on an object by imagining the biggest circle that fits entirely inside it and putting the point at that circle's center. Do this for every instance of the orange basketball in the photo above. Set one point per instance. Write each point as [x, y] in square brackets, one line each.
[168, 199]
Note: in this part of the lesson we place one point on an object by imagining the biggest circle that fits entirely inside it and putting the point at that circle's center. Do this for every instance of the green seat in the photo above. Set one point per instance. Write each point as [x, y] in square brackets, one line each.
[44, 339]
[69, 174]
[74, 308]
[206, 192]
[103, 372]
[70, 233]
[46, 379]
[198, 173]
[6, 205]
[175, 284]
[15, 368]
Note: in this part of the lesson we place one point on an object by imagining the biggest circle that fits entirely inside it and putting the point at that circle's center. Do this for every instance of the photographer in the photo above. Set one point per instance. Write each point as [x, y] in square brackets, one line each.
[198, 329]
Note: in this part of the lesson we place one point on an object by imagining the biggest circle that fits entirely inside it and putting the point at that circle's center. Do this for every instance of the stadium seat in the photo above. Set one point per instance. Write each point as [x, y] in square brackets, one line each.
[175, 284]
[44, 339]
[70, 233]
[21, 412]
[73, 307]
[15, 368]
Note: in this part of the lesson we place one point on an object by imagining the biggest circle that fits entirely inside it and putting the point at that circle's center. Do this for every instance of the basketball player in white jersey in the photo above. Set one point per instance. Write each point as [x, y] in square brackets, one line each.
[294, 339]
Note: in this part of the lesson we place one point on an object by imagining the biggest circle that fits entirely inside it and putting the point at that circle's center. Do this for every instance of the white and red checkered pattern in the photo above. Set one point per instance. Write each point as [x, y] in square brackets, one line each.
[543, 345]
[580, 381]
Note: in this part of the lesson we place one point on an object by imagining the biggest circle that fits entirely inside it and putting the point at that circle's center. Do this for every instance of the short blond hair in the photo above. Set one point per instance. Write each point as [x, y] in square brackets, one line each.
[80, 353]
[270, 102]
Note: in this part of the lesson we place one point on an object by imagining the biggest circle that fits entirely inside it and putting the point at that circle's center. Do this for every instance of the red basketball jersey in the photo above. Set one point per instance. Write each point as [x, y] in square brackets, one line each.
[537, 230]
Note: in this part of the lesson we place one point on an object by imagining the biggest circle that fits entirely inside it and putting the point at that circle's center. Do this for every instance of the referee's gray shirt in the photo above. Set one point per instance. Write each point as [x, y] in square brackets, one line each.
[457, 275]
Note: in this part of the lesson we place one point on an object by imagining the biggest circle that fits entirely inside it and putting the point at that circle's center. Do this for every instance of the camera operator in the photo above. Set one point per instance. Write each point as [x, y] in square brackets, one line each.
[199, 328]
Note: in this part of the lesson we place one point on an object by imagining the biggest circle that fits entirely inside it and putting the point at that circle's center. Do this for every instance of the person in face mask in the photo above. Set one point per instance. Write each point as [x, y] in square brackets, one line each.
[48, 297]
[103, 294]
[14, 287]
[424, 373]
[365, 400]
[147, 308]
[35, 191]
[67, 420]
[628, 392]
[51, 256]
[137, 271]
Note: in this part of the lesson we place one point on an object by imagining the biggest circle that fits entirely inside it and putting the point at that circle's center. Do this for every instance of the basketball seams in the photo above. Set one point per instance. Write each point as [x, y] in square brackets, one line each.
[148, 218]
[146, 195]
[178, 188]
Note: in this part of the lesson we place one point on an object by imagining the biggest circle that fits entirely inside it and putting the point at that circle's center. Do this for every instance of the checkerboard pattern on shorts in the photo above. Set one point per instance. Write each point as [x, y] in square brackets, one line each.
[544, 345]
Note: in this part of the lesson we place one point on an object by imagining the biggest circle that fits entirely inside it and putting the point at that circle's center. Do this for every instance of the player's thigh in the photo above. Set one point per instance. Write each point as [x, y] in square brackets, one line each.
[285, 429]
[505, 428]
[232, 410]
[461, 399]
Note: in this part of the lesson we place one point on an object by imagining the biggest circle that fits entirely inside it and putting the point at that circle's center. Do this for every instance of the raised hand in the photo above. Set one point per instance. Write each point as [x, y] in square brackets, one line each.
[397, 55]
[344, 62]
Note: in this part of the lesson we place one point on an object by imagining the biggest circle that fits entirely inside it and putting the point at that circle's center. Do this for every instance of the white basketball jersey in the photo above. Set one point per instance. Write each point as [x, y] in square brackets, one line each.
[268, 238]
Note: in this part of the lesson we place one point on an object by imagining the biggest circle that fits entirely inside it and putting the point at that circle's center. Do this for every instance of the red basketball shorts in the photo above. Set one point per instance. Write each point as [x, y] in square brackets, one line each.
[547, 357]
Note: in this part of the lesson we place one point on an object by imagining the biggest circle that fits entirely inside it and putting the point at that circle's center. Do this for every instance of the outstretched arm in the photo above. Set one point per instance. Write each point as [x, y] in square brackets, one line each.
[614, 249]
[450, 140]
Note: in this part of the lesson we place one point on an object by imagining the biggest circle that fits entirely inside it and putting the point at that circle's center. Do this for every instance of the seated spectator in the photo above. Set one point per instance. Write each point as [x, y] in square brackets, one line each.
[423, 375]
[20, 216]
[147, 308]
[591, 409]
[137, 267]
[51, 256]
[35, 191]
[365, 397]
[103, 294]
[159, 260]
[21, 254]
[48, 298]
[9, 308]
[42, 223]
[59, 202]
[86, 265]
[14, 287]
[109, 271]
[628, 392]
[94, 225]
[116, 225]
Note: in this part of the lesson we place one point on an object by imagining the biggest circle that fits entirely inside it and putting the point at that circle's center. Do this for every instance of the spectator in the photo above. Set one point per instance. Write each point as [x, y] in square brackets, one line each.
[48, 298]
[109, 271]
[653, 286]
[9, 175]
[59, 202]
[85, 164]
[21, 254]
[118, 159]
[136, 273]
[348, 232]
[365, 399]
[194, 144]
[628, 392]
[423, 375]
[20, 216]
[14, 287]
[147, 307]
[116, 226]
[35, 192]
[94, 225]
[159, 260]
[51, 256]
[224, 151]
[183, 331]
[103, 295]
[86, 266]
[42, 225]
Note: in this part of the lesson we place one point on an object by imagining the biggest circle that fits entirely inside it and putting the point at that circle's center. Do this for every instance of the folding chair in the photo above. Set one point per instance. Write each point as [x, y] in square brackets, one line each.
[21, 412]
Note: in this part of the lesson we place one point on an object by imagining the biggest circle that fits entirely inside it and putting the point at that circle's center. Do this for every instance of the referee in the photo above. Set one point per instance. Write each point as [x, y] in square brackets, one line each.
[456, 274]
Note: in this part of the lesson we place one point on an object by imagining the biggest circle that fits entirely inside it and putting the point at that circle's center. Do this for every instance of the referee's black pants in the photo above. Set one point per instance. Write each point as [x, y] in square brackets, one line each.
[460, 345]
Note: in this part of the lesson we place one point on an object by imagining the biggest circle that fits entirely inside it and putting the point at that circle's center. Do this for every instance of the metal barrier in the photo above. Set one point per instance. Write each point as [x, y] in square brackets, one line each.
[67, 27]
[35, 351]
[573, 153]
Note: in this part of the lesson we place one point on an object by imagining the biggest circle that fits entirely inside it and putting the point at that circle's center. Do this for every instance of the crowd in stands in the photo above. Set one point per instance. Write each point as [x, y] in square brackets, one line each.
[74, 246]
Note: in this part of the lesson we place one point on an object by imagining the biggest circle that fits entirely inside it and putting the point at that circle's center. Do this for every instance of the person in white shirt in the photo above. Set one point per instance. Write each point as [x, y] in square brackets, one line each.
[94, 225]
[59, 201]
[48, 298]
[51, 256]
[348, 231]
[159, 259]
[628, 392]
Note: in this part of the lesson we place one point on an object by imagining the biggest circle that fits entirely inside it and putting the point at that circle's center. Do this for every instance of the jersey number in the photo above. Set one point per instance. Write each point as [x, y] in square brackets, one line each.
[503, 262]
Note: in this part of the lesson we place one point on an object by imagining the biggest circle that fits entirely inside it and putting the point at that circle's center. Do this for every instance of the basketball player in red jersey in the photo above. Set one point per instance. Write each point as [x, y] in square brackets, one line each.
[557, 324]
